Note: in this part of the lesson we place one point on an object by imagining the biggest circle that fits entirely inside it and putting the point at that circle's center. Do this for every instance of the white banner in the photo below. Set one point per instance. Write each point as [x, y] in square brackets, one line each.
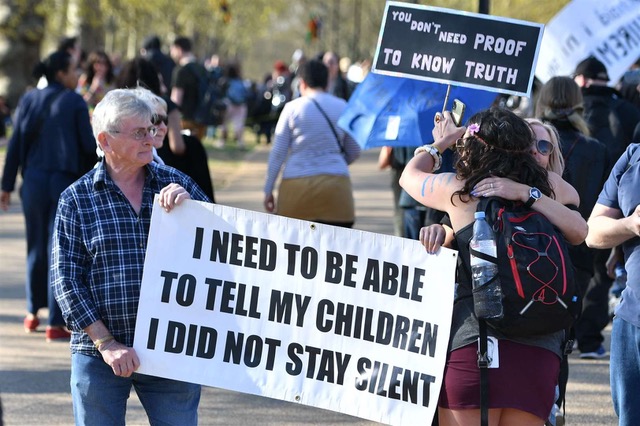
[608, 30]
[340, 319]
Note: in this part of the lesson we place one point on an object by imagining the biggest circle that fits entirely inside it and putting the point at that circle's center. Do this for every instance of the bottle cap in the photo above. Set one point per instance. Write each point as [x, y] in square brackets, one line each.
[478, 215]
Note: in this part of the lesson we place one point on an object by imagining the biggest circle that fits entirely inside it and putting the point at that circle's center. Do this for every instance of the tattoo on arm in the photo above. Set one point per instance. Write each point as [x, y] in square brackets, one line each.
[424, 185]
[440, 179]
[435, 180]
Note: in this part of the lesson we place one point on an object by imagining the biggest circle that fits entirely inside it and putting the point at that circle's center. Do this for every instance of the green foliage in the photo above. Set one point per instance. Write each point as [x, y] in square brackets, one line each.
[254, 31]
[23, 19]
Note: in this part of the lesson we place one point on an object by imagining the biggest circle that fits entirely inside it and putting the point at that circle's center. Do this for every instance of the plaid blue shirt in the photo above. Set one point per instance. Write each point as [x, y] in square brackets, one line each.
[99, 245]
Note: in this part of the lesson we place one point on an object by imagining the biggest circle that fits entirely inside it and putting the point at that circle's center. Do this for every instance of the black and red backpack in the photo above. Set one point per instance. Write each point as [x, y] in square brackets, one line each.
[540, 295]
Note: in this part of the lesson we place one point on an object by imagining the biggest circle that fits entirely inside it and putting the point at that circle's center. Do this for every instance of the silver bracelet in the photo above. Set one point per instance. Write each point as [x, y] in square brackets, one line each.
[433, 151]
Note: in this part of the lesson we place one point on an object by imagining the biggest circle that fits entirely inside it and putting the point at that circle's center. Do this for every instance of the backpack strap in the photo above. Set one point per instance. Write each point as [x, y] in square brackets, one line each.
[483, 365]
[483, 256]
[483, 356]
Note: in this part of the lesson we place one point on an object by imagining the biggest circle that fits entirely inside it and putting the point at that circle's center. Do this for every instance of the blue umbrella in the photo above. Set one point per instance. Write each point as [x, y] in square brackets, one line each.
[398, 111]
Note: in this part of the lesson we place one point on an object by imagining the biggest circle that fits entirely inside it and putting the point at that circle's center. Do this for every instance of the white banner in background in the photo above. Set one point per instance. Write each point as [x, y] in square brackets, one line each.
[340, 319]
[608, 30]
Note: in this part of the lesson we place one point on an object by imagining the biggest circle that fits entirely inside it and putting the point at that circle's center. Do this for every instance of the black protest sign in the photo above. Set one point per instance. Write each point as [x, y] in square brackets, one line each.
[460, 48]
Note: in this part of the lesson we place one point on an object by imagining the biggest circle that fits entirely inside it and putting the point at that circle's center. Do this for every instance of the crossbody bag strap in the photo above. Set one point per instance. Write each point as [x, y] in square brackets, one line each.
[483, 364]
[330, 125]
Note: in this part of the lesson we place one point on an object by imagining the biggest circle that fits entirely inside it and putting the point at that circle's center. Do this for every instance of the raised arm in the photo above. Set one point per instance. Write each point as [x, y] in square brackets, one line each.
[418, 178]
[569, 222]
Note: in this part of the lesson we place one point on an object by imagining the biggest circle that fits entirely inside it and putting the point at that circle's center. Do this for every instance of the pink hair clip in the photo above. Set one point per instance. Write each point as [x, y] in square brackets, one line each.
[473, 129]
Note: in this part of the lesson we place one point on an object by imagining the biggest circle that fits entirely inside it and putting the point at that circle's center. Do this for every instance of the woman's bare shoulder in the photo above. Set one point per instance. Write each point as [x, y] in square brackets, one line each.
[564, 192]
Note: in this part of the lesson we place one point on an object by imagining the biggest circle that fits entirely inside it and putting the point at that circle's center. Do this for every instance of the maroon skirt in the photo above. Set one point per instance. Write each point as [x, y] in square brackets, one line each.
[525, 380]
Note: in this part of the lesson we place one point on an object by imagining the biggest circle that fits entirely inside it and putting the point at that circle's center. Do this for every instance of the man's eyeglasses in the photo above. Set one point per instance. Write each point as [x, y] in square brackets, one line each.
[139, 133]
[157, 119]
[544, 147]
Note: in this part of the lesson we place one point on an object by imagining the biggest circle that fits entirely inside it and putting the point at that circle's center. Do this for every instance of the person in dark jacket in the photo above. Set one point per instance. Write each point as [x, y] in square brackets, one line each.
[612, 121]
[338, 85]
[611, 118]
[52, 145]
[152, 51]
[586, 167]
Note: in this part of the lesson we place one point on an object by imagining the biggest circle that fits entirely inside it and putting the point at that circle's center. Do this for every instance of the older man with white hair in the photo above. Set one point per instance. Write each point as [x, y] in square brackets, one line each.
[99, 246]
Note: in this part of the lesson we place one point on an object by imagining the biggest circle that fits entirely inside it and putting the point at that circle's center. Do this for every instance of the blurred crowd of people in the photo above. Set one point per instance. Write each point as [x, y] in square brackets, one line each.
[241, 101]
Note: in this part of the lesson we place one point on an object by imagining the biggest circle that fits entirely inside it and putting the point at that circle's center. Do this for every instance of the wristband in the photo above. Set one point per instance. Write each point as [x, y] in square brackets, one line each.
[106, 339]
[433, 151]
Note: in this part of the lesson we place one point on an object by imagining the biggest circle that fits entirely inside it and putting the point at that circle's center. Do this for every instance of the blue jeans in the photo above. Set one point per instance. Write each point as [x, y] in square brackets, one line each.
[625, 371]
[40, 192]
[100, 397]
[413, 221]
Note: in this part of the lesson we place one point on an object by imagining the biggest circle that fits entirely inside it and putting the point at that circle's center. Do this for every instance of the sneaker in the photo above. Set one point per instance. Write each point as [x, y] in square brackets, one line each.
[599, 353]
[31, 324]
[57, 333]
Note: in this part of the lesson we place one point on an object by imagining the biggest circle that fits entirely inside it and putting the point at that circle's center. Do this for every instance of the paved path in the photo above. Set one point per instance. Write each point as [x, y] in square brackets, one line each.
[34, 375]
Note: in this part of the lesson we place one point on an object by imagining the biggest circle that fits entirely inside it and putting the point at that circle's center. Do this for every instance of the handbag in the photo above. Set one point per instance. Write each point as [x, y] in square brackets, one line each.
[342, 151]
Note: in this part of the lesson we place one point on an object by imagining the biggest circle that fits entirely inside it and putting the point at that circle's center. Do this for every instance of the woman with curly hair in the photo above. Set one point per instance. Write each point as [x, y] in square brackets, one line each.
[547, 152]
[496, 144]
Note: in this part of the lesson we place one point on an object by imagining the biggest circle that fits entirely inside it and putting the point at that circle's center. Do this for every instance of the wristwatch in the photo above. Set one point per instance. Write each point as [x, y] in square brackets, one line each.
[534, 195]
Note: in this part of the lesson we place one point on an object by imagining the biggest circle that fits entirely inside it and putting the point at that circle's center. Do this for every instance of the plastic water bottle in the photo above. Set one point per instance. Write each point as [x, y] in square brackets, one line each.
[487, 298]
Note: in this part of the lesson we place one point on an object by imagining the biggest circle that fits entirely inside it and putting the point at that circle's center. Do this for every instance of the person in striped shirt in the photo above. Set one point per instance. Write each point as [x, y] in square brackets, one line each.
[313, 154]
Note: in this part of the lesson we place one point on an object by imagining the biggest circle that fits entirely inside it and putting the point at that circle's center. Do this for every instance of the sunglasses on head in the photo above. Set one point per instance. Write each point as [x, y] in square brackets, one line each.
[157, 119]
[544, 146]
[461, 143]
